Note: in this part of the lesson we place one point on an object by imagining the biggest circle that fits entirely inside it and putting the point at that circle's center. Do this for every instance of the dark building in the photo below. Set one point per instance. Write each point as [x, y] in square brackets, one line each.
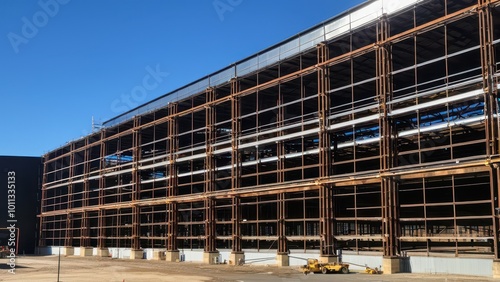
[22, 174]
[375, 132]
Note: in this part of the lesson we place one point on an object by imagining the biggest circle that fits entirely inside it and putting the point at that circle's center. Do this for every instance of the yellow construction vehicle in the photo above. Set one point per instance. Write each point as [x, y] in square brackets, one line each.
[370, 270]
[314, 266]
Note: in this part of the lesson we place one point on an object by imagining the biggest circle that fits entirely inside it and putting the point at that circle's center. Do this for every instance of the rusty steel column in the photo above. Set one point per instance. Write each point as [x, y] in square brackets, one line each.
[102, 183]
[280, 149]
[68, 236]
[172, 137]
[136, 180]
[327, 222]
[85, 224]
[68, 241]
[236, 228]
[235, 132]
[282, 241]
[86, 171]
[280, 146]
[101, 232]
[486, 29]
[210, 135]
[210, 224]
[84, 235]
[390, 223]
[235, 166]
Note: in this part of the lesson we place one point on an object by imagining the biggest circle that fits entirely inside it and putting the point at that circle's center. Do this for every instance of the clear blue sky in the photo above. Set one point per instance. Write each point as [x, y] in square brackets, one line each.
[65, 61]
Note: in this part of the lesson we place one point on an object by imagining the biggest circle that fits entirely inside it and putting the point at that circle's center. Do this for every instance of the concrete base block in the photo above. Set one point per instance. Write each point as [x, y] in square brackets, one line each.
[211, 257]
[391, 265]
[67, 251]
[496, 269]
[282, 260]
[86, 251]
[172, 256]
[136, 254]
[159, 255]
[237, 258]
[103, 252]
[328, 259]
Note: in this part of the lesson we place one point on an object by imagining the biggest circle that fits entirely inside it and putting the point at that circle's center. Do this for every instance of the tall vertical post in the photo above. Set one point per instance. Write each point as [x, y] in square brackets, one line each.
[235, 132]
[326, 224]
[85, 247]
[282, 258]
[210, 224]
[210, 135]
[136, 252]
[488, 73]
[101, 244]
[68, 241]
[85, 223]
[486, 38]
[282, 241]
[236, 228]
[390, 231]
[237, 255]
[210, 232]
[172, 137]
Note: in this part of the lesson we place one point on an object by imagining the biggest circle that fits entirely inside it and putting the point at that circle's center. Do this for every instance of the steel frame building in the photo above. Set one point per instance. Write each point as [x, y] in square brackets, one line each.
[377, 130]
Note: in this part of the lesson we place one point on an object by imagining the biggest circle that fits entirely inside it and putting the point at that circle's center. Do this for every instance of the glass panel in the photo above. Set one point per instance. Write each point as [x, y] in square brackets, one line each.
[337, 27]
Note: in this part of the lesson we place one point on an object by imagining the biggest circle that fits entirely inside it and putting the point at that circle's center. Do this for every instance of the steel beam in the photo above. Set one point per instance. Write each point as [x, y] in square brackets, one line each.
[85, 225]
[282, 240]
[236, 166]
[327, 223]
[390, 223]
[102, 184]
[136, 190]
[236, 226]
[172, 180]
[210, 224]
[235, 133]
[488, 65]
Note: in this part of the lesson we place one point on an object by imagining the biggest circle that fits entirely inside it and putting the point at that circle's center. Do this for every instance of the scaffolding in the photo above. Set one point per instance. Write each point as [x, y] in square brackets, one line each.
[382, 136]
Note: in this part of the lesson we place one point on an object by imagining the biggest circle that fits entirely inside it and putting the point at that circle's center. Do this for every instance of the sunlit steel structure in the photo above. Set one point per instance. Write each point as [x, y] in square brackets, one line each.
[374, 131]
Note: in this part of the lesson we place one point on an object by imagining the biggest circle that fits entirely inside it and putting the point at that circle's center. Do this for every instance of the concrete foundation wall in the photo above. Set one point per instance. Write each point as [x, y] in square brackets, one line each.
[150, 252]
[464, 266]
[260, 258]
[54, 250]
[192, 255]
[370, 261]
[412, 264]
[119, 253]
[224, 254]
